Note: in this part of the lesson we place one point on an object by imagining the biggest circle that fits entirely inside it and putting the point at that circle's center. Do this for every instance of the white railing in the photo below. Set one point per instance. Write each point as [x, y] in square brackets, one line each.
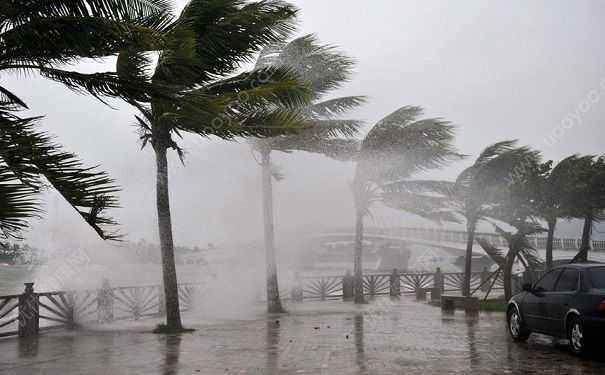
[457, 236]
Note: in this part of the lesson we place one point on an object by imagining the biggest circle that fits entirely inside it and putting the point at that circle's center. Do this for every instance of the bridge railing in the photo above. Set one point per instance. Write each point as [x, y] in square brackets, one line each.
[394, 284]
[30, 313]
[456, 236]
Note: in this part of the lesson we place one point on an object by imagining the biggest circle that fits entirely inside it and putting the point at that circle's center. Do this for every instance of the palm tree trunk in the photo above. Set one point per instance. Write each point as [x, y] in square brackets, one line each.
[508, 275]
[357, 259]
[471, 227]
[171, 292]
[552, 223]
[273, 301]
[582, 255]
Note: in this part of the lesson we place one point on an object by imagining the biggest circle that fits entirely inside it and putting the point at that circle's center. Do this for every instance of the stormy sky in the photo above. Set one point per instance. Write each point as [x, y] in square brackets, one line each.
[527, 70]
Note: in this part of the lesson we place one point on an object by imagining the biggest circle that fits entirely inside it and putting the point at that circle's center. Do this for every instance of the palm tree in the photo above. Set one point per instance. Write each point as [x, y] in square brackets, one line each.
[477, 187]
[589, 198]
[208, 42]
[41, 36]
[556, 189]
[323, 69]
[397, 147]
[516, 205]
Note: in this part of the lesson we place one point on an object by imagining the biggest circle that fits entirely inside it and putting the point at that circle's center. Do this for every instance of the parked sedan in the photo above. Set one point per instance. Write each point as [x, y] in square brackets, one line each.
[567, 302]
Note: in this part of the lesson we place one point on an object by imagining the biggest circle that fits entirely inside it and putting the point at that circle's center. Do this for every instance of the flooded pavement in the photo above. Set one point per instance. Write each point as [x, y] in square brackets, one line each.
[383, 337]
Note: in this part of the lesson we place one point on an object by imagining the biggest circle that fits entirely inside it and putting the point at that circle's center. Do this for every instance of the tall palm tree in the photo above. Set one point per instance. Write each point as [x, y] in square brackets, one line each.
[208, 42]
[42, 36]
[324, 70]
[397, 147]
[478, 186]
[589, 199]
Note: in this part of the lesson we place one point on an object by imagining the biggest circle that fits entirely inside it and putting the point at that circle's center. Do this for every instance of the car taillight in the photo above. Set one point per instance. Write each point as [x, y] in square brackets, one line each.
[601, 306]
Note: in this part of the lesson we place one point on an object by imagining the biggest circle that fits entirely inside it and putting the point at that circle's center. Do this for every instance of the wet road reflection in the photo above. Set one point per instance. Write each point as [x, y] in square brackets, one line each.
[360, 357]
[272, 346]
[384, 337]
[172, 351]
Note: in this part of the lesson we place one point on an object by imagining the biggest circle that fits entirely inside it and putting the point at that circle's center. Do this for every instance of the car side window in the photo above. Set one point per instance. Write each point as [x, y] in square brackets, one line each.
[568, 282]
[547, 283]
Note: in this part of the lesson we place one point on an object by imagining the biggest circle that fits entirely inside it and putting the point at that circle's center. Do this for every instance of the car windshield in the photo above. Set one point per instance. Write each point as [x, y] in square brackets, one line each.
[597, 277]
[547, 283]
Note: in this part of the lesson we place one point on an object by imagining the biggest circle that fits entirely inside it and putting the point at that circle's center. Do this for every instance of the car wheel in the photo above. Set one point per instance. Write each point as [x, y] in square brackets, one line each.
[516, 327]
[575, 335]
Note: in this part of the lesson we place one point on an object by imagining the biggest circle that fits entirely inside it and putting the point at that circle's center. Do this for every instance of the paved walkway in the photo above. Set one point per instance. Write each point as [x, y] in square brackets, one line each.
[383, 337]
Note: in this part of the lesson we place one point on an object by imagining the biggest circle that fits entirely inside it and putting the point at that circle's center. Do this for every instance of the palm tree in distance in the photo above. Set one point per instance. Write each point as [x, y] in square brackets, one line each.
[515, 204]
[324, 70]
[588, 199]
[397, 147]
[196, 67]
[477, 187]
[556, 188]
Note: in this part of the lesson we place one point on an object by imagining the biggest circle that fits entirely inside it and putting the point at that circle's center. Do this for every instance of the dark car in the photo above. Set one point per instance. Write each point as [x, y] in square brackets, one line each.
[567, 302]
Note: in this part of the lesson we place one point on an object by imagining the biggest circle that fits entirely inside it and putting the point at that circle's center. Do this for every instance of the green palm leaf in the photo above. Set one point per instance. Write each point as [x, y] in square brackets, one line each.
[31, 156]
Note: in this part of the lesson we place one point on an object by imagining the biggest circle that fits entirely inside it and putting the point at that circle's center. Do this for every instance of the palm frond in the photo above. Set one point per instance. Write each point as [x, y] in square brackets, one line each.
[492, 251]
[104, 84]
[277, 85]
[322, 66]
[336, 107]
[335, 148]
[10, 101]
[17, 204]
[226, 33]
[17, 12]
[30, 154]
[62, 40]
[401, 144]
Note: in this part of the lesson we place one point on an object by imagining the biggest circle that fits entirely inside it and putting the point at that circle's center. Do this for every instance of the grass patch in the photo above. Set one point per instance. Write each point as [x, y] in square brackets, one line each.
[165, 329]
[492, 305]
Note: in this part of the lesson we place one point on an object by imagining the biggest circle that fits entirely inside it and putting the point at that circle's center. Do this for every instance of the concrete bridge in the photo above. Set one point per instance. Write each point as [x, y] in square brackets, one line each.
[450, 243]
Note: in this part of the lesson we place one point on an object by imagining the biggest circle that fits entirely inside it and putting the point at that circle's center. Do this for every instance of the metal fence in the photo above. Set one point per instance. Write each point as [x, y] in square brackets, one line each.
[396, 283]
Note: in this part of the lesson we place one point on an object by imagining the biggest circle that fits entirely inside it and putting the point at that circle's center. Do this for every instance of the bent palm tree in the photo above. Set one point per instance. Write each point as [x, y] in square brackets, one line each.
[208, 42]
[396, 148]
[477, 188]
[516, 205]
[323, 69]
[556, 189]
[589, 199]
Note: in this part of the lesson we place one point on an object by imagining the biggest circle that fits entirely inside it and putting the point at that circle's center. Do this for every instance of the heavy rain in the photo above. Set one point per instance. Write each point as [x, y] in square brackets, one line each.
[301, 187]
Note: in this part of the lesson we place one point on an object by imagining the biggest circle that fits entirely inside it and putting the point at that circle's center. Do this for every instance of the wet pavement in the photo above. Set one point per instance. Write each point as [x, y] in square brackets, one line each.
[383, 337]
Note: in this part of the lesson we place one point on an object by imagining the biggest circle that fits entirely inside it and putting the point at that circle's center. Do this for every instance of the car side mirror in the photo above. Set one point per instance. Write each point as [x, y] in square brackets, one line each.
[527, 287]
